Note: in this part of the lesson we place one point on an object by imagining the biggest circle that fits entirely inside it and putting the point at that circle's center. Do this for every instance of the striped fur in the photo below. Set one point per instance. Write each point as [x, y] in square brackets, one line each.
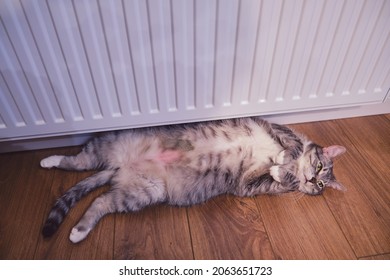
[188, 164]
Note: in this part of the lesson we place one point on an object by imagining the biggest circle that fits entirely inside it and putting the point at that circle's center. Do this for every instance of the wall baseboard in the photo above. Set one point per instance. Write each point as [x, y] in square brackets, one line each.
[289, 118]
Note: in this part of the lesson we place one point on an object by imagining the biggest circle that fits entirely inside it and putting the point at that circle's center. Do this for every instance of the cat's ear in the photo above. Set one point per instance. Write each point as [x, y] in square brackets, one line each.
[333, 151]
[337, 186]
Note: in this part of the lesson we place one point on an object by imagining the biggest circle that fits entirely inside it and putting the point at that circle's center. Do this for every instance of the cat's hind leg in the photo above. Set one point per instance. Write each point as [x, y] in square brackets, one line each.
[144, 191]
[70, 198]
[52, 161]
[85, 160]
[102, 205]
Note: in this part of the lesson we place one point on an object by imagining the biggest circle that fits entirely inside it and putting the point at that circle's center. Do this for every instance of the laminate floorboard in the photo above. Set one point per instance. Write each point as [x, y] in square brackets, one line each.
[337, 225]
[228, 227]
[303, 227]
[22, 203]
[377, 257]
[157, 232]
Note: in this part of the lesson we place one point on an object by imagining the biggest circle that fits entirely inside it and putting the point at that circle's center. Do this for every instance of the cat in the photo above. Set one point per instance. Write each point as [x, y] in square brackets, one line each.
[187, 164]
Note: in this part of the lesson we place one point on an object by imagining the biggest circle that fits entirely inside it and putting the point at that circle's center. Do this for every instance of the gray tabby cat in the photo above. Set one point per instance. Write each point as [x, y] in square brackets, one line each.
[188, 164]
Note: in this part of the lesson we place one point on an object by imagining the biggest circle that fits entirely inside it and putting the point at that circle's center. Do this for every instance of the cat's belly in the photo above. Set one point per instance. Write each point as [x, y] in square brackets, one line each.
[230, 155]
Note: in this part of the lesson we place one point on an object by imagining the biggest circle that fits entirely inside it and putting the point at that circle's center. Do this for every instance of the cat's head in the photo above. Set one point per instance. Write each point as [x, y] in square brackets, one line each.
[316, 169]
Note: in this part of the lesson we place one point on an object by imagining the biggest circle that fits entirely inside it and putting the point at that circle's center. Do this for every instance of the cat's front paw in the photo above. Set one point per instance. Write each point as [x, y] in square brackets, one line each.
[284, 157]
[274, 171]
[52, 161]
[280, 158]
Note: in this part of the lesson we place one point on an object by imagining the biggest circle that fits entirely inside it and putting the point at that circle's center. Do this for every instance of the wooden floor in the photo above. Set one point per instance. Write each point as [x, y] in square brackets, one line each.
[336, 225]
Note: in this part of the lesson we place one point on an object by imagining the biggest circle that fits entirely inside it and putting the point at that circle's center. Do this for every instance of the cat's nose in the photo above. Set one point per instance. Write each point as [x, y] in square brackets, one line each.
[313, 180]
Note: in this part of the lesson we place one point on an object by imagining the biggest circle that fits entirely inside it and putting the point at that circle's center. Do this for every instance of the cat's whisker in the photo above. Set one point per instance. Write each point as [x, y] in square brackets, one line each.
[296, 195]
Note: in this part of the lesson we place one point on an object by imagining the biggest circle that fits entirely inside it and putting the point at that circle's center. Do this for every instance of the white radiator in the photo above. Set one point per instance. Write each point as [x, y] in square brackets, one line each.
[80, 66]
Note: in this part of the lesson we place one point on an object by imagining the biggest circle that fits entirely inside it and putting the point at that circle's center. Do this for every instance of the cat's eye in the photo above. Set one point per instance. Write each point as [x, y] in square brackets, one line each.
[319, 167]
[321, 184]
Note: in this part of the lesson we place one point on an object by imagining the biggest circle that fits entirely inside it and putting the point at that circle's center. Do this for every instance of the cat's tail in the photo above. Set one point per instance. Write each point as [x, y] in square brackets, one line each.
[71, 197]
